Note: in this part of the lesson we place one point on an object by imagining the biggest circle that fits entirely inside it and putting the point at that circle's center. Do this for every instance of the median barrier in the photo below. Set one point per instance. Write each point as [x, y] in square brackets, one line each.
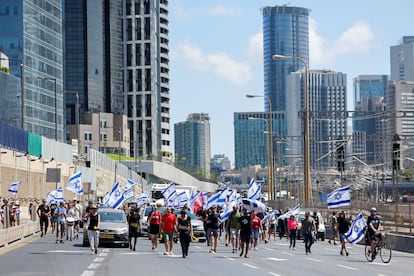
[13, 234]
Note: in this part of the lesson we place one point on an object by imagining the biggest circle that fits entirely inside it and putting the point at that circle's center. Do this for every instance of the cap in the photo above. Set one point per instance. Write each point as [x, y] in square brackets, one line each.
[183, 212]
[373, 209]
[75, 199]
[17, 202]
[93, 206]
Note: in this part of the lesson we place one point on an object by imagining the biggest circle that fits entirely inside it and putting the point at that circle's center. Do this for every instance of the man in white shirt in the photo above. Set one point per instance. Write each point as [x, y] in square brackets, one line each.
[61, 218]
[78, 215]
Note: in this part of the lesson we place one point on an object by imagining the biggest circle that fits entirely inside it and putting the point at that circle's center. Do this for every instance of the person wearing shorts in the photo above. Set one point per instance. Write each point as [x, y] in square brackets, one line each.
[60, 213]
[134, 225]
[168, 221]
[233, 220]
[213, 224]
[256, 224]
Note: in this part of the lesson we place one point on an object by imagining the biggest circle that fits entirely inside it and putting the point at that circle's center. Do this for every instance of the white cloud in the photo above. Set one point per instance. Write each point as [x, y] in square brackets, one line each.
[255, 48]
[222, 10]
[359, 38]
[220, 64]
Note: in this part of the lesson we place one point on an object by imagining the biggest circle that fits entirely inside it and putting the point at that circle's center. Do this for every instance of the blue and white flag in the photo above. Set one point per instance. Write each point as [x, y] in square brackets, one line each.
[169, 194]
[130, 183]
[128, 194]
[181, 199]
[356, 232]
[50, 198]
[105, 200]
[14, 187]
[268, 216]
[227, 213]
[59, 194]
[212, 200]
[75, 183]
[232, 196]
[339, 197]
[142, 199]
[116, 196]
[293, 211]
[221, 201]
[254, 190]
[254, 205]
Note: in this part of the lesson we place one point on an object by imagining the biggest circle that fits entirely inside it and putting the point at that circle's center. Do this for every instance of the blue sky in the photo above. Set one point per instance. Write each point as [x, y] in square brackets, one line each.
[217, 57]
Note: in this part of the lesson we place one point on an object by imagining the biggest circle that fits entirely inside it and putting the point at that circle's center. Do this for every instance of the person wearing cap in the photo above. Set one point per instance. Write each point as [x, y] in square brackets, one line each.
[374, 225]
[213, 224]
[93, 228]
[43, 211]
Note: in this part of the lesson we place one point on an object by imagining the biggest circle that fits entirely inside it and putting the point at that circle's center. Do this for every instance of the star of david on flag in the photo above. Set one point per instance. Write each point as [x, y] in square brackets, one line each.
[75, 183]
[339, 197]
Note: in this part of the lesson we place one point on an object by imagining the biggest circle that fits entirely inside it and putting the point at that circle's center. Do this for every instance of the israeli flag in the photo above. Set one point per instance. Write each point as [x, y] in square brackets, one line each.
[14, 187]
[181, 199]
[293, 211]
[212, 200]
[116, 196]
[75, 184]
[356, 232]
[105, 200]
[50, 197]
[129, 184]
[59, 194]
[339, 197]
[268, 216]
[232, 196]
[142, 199]
[253, 191]
[227, 213]
[221, 201]
[169, 194]
[254, 205]
[128, 194]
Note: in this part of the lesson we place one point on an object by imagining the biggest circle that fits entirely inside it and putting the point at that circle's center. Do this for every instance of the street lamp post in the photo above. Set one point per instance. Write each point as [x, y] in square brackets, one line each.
[21, 84]
[56, 113]
[270, 146]
[306, 162]
[77, 116]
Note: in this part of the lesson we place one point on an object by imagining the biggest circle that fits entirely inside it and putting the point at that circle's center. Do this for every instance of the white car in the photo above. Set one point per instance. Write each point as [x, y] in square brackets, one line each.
[321, 227]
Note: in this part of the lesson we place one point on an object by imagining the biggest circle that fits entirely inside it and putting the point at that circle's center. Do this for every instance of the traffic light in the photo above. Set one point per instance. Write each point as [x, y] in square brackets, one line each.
[396, 156]
[340, 154]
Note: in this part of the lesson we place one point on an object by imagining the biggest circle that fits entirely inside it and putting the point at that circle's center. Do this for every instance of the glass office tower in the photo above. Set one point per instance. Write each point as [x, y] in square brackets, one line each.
[285, 32]
[31, 34]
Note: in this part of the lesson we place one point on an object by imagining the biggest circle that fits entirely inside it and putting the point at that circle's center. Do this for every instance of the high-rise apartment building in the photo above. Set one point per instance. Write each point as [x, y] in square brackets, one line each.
[369, 93]
[31, 36]
[192, 143]
[327, 95]
[402, 60]
[146, 77]
[285, 32]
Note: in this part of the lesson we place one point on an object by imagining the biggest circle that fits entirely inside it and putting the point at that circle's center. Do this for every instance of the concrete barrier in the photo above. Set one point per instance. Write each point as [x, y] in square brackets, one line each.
[11, 235]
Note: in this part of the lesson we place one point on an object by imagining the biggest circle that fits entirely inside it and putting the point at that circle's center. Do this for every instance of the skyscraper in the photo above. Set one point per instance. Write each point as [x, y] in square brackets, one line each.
[327, 95]
[146, 77]
[285, 32]
[402, 60]
[192, 143]
[369, 93]
[31, 35]
[93, 57]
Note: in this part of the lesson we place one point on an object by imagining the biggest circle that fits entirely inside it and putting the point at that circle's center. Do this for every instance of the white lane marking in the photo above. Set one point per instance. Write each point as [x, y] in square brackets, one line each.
[230, 259]
[381, 274]
[249, 265]
[287, 253]
[94, 266]
[136, 253]
[276, 259]
[103, 254]
[348, 267]
[330, 249]
[99, 260]
[315, 260]
[270, 249]
[274, 274]
[372, 263]
[68, 251]
[88, 273]
[106, 250]
[198, 247]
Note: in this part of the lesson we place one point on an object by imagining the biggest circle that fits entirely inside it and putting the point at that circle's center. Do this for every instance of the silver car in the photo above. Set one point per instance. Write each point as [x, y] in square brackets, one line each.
[113, 228]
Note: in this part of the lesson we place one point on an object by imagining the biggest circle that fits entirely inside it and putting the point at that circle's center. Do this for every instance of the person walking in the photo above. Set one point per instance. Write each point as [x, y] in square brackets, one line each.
[168, 222]
[334, 227]
[134, 220]
[93, 228]
[213, 224]
[308, 231]
[43, 212]
[232, 221]
[244, 226]
[292, 228]
[78, 215]
[53, 216]
[343, 227]
[257, 228]
[185, 231]
[154, 220]
[60, 213]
